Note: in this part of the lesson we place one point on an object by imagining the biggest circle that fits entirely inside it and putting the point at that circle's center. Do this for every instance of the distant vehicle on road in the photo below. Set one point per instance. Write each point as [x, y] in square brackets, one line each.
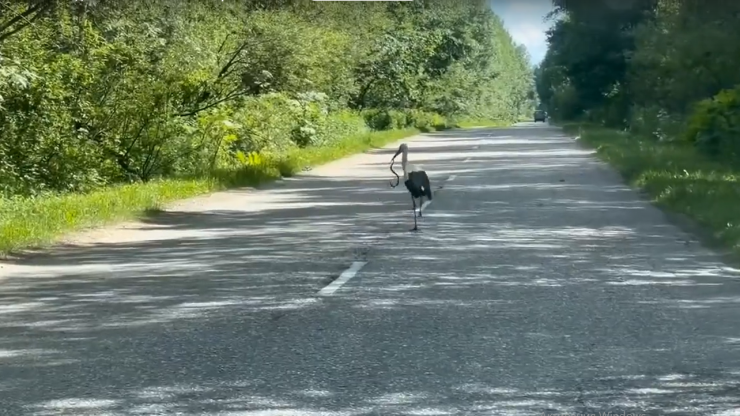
[540, 115]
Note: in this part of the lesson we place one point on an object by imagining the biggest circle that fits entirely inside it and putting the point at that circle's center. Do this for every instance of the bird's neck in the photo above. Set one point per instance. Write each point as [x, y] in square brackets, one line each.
[405, 165]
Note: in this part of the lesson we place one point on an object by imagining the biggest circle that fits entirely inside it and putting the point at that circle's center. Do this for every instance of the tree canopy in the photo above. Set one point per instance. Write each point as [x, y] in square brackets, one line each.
[98, 92]
[660, 68]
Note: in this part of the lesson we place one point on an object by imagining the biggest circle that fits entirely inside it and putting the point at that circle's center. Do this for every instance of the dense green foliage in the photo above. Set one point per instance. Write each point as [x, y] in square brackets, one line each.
[99, 92]
[662, 76]
[647, 66]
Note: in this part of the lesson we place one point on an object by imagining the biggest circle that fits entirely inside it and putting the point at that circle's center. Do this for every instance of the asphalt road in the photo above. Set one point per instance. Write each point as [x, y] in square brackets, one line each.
[538, 284]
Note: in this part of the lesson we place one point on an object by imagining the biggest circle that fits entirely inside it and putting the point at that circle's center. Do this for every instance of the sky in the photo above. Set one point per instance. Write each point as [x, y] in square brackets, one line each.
[524, 19]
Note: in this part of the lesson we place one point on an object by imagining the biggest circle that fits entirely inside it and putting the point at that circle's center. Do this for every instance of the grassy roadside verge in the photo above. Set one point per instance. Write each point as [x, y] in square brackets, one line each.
[468, 123]
[37, 223]
[677, 178]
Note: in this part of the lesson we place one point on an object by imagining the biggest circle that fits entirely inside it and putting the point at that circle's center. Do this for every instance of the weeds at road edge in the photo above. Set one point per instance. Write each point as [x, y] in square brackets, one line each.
[676, 177]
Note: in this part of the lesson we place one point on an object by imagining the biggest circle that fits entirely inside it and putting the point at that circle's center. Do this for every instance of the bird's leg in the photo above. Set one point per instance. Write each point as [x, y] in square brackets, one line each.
[413, 201]
[421, 204]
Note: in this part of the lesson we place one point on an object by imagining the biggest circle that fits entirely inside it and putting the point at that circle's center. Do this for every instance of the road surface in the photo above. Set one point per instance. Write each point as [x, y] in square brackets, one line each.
[538, 284]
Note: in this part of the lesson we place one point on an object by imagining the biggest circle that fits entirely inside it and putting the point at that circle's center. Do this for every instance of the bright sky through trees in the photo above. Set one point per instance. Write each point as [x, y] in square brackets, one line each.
[524, 19]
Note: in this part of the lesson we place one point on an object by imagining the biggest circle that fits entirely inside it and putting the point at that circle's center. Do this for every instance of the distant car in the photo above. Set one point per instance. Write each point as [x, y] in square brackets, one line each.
[540, 115]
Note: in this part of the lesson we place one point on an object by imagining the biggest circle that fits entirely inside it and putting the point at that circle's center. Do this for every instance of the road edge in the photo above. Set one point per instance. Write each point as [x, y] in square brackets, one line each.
[703, 236]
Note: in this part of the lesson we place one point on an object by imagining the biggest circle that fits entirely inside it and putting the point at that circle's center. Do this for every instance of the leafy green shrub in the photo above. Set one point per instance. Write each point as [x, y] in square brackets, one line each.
[382, 119]
[655, 122]
[40, 151]
[714, 125]
[377, 119]
[308, 130]
[266, 123]
[342, 124]
[439, 122]
[425, 121]
[397, 119]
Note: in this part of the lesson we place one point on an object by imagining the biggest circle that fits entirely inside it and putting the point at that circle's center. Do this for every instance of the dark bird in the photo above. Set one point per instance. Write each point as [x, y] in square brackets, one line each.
[415, 179]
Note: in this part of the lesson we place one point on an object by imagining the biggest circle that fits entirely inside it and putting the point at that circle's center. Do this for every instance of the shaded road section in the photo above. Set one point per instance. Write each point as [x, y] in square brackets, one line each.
[538, 284]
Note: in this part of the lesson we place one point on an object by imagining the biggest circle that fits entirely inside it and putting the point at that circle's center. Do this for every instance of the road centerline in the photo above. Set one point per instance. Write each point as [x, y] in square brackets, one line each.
[343, 278]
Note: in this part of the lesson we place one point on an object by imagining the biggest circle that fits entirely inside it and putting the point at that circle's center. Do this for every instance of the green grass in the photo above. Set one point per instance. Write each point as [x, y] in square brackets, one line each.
[468, 123]
[26, 223]
[36, 223]
[677, 177]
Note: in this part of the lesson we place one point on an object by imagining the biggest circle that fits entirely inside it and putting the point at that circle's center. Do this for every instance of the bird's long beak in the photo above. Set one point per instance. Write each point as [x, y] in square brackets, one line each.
[398, 152]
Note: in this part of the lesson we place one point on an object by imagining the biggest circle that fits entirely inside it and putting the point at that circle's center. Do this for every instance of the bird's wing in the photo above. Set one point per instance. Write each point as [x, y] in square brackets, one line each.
[427, 186]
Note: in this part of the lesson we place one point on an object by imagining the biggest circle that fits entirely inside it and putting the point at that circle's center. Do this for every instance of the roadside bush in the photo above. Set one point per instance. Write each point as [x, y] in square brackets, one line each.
[342, 124]
[266, 124]
[398, 119]
[378, 119]
[714, 125]
[412, 118]
[425, 121]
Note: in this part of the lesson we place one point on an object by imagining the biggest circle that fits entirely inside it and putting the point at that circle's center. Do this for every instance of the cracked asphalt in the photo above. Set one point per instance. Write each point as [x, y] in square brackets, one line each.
[538, 284]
